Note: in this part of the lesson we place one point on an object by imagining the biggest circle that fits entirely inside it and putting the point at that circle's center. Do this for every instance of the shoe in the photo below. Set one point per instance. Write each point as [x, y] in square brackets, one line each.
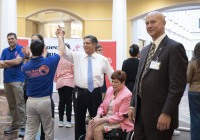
[21, 133]
[68, 124]
[10, 130]
[60, 124]
[176, 133]
[72, 123]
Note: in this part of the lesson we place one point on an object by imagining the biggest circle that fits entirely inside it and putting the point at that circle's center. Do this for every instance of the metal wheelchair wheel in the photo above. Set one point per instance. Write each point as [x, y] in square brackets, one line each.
[130, 135]
[82, 137]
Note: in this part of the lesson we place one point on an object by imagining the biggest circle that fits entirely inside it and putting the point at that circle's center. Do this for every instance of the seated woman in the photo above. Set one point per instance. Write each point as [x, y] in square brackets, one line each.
[110, 112]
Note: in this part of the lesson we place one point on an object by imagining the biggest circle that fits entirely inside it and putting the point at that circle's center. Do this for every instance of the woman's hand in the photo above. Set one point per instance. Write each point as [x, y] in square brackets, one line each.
[97, 121]
[26, 51]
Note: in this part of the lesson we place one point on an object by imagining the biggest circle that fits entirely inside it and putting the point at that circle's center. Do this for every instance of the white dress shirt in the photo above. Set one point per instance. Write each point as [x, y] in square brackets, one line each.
[158, 40]
[100, 66]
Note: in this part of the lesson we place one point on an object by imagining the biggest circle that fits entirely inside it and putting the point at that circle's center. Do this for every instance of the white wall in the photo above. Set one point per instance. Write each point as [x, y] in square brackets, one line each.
[182, 26]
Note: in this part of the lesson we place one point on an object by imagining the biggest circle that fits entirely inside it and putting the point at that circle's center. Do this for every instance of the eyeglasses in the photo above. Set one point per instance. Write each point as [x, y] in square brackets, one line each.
[99, 50]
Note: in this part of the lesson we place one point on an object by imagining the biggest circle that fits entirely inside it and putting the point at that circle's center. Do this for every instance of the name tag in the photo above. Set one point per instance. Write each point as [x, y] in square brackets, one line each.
[155, 65]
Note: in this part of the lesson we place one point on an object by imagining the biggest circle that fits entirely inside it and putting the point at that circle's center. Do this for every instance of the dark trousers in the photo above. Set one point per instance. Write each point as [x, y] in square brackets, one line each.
[194, 106]
[85, 100]
[130, 86]
[42, 137]
[25, 97]
[141, 132]
[65, 100]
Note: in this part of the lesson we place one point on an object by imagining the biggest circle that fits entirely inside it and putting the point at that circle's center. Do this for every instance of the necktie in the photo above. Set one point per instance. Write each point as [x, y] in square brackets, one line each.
[147, 64]
[149, 58]
[90, 75]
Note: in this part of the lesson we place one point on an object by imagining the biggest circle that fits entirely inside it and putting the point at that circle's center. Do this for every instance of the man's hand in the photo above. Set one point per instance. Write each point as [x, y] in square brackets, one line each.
[131, 114]
[59, 32]
[61, 46]
[164, 121]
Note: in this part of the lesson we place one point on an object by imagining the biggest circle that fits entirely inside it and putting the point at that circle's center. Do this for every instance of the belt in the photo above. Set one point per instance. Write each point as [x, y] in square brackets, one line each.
[86, 90]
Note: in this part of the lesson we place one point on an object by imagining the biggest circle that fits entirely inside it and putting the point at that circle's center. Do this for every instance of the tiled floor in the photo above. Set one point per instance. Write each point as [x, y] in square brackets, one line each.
[62, 133]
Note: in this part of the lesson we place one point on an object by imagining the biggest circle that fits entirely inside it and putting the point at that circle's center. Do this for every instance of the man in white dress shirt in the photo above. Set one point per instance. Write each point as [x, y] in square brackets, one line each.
[86, 99]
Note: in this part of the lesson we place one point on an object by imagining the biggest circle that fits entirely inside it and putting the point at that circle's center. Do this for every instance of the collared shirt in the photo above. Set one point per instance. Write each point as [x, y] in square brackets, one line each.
[158, 40]
[14, 73]
[100, 65]
[39, 73]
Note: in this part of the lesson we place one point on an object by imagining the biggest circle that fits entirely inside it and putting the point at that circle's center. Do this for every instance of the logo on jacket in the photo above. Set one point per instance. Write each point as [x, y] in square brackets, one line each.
[43, 70]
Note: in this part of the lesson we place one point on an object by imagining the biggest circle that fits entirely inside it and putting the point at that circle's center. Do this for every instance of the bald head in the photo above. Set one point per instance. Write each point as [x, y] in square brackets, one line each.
[155, 24]
[158, 14]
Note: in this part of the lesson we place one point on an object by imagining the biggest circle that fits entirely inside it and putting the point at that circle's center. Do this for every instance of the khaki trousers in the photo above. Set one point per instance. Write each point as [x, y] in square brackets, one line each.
[39, 111]
[15, 97]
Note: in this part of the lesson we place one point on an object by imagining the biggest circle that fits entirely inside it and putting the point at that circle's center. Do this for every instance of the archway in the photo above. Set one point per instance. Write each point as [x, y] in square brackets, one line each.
[46, 20]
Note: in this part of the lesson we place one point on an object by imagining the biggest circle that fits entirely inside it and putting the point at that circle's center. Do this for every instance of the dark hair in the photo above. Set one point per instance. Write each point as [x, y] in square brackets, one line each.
[37, 47]
[197, 54]
[9, 34]
[97, 47]
[133, 50]
[119, 75]
[39, 36]
[92, 38]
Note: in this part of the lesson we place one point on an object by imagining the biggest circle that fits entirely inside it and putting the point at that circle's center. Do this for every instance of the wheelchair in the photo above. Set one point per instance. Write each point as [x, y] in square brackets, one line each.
[118, 134]
[115, 134]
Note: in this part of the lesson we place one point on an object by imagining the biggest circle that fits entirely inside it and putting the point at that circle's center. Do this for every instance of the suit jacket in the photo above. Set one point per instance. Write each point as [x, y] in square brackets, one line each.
[120, 107]
[162, 89]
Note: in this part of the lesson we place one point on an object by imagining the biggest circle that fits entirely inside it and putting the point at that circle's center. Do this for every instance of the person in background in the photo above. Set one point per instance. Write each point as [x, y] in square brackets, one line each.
[64, 78]
[27, 52]
[193, 78]
[110, 112]
[99, 50]
[130, 66]
[39, 73]
[89, 70]
[11, 62]
[160, 83]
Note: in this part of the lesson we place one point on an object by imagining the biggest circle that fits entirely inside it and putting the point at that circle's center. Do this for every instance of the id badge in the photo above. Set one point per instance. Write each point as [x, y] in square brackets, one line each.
[76, 94]
[155, 65]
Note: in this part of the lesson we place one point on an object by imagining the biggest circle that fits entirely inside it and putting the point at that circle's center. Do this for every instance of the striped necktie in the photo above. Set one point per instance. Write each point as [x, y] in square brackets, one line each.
[90, 75]
[147, 64]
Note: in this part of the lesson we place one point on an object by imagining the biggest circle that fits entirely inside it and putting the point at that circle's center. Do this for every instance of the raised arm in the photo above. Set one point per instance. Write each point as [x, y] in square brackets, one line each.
[26, 51]
[60, 35]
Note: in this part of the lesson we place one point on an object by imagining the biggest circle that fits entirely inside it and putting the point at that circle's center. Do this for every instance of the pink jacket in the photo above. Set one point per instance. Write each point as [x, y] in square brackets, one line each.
[120, 107]
[64, 75]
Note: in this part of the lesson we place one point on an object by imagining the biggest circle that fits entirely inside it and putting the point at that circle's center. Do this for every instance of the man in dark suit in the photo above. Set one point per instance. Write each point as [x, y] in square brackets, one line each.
[160, 83]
